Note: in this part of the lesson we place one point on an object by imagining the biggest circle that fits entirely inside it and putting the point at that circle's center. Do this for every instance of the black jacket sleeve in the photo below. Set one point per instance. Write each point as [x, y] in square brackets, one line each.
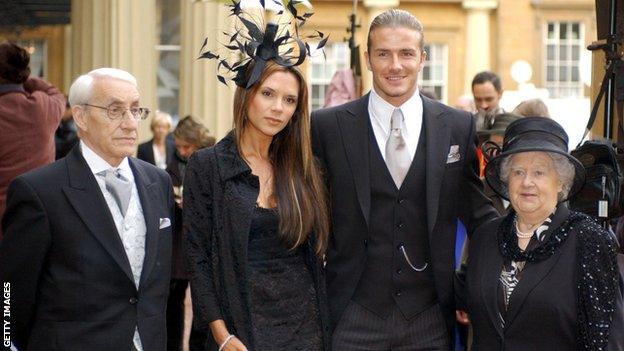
[22, 256]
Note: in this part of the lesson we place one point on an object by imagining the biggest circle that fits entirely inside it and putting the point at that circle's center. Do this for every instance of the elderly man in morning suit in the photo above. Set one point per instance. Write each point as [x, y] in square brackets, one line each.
[87, 247]
[400, 171]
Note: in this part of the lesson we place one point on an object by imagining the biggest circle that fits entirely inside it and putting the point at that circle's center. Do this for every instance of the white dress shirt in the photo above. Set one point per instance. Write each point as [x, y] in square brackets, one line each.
[160, 159]
[380, 112]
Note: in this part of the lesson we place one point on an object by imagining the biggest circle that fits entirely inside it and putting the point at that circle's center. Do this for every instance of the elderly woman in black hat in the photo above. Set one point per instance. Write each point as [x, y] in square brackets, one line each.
[542, 277]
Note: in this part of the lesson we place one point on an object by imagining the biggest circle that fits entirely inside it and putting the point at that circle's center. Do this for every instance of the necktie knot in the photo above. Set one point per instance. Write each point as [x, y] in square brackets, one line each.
[396, 121]
[119, 187]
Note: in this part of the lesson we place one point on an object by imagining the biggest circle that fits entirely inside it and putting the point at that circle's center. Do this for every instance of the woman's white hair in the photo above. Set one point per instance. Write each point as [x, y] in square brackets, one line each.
[563, 167]
[161, 117]
[81, 89]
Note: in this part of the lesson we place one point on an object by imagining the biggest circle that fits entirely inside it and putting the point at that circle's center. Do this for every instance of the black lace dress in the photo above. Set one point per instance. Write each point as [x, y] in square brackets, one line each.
[284, 312]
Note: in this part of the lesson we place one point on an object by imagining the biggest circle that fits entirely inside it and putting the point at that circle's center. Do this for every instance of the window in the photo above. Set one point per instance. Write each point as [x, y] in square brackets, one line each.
[563, 43]
[322, 69]
[168, 51]
[434, 74]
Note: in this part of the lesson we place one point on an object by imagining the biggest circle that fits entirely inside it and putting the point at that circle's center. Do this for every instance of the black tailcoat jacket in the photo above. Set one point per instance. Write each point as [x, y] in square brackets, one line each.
[71, 283]
[453, 189]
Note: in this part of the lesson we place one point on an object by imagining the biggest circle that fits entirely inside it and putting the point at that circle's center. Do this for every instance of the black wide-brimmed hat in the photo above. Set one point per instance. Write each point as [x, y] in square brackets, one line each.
[533, 134]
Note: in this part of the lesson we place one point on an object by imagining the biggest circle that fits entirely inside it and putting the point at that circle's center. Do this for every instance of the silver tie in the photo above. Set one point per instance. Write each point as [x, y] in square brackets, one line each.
[398, 158]
[119, 187]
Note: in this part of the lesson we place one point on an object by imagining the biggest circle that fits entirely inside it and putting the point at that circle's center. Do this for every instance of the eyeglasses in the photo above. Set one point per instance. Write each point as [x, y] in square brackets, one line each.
[115, 112]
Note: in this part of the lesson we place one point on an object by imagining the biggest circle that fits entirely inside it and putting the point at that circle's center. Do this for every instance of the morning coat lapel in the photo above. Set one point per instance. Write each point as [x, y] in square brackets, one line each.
[438, 135]
[534, 273]
[148, 195]
[353, 124]
[87, 199]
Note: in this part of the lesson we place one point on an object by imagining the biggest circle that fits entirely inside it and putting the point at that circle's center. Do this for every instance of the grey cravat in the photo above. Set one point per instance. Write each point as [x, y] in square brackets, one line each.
[398, 158]
[119, 187]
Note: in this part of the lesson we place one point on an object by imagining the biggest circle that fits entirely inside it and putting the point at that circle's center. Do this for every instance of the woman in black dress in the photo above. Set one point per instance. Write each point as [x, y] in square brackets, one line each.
[256, 223]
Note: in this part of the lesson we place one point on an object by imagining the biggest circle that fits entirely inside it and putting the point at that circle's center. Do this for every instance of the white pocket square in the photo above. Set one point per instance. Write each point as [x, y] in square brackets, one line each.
[453, 155]
[164, 223]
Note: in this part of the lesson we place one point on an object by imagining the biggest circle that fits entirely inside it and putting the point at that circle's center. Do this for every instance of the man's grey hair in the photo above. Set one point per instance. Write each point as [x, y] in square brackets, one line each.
[395, 18]
[562, 165]
[81, 89]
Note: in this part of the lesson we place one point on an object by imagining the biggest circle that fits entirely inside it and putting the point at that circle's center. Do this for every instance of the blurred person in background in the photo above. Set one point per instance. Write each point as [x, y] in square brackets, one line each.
[465, 103]
[532, 108]
[189, 136]
[487, 92]
[495, 136]
[30, 112]
[160, 149]
[66, 135]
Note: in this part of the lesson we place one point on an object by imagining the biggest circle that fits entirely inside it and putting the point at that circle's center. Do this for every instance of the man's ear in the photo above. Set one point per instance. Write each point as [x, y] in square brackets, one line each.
[79, 115]
[367, 58]
[423, 58]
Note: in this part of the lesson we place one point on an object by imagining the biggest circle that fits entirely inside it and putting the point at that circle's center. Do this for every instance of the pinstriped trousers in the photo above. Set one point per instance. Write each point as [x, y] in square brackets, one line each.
[361, 330]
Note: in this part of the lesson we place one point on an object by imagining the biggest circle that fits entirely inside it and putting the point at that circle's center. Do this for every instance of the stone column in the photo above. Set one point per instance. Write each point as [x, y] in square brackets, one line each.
[119, 34]
[201, 94]
[478, 48]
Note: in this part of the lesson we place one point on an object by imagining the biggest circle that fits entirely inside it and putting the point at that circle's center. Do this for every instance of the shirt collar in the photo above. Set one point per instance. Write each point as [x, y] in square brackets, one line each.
[382, 110]
[97, 164]
[7, 88]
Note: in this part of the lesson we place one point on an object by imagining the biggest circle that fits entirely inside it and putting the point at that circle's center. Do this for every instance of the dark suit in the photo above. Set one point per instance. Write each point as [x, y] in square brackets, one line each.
[542, 312]
[71, 282]
[342, 141]
[145, 151]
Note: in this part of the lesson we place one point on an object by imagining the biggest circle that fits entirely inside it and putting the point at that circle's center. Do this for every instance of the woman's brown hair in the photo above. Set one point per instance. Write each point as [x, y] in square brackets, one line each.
[193, 132]
[298, 184]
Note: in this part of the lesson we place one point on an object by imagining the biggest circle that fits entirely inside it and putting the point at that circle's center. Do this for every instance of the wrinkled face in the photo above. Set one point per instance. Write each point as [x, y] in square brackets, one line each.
[184, 148]
[273, 105]
[160, 130]
[395, 58]
[110, 139]
[486, 97]
[533, 184]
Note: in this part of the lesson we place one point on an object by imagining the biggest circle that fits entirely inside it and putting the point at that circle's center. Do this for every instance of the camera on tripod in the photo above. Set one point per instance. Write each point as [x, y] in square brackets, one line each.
[603, 196]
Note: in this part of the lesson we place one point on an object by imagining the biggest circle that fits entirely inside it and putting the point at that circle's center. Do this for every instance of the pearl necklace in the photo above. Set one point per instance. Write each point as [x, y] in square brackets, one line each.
[522, 235]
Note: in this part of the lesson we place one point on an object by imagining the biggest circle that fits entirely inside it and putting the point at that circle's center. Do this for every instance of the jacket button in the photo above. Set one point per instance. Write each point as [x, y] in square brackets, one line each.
[398, 293]
[133, 300]
[401, 201]
[400, 225]
[365, 242]
[399, 271]
[399, 246]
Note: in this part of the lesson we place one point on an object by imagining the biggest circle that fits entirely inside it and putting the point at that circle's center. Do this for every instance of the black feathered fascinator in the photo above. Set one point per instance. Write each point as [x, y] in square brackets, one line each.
[251, 43]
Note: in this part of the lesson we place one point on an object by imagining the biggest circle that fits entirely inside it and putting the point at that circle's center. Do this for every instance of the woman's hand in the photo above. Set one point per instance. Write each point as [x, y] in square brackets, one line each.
[220, 333]
[462, 317]
[234, 345]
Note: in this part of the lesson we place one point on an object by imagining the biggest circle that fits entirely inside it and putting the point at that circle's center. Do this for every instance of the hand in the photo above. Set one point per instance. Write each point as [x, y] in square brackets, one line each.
[34, 84]
[462, 317]
[234, 345]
